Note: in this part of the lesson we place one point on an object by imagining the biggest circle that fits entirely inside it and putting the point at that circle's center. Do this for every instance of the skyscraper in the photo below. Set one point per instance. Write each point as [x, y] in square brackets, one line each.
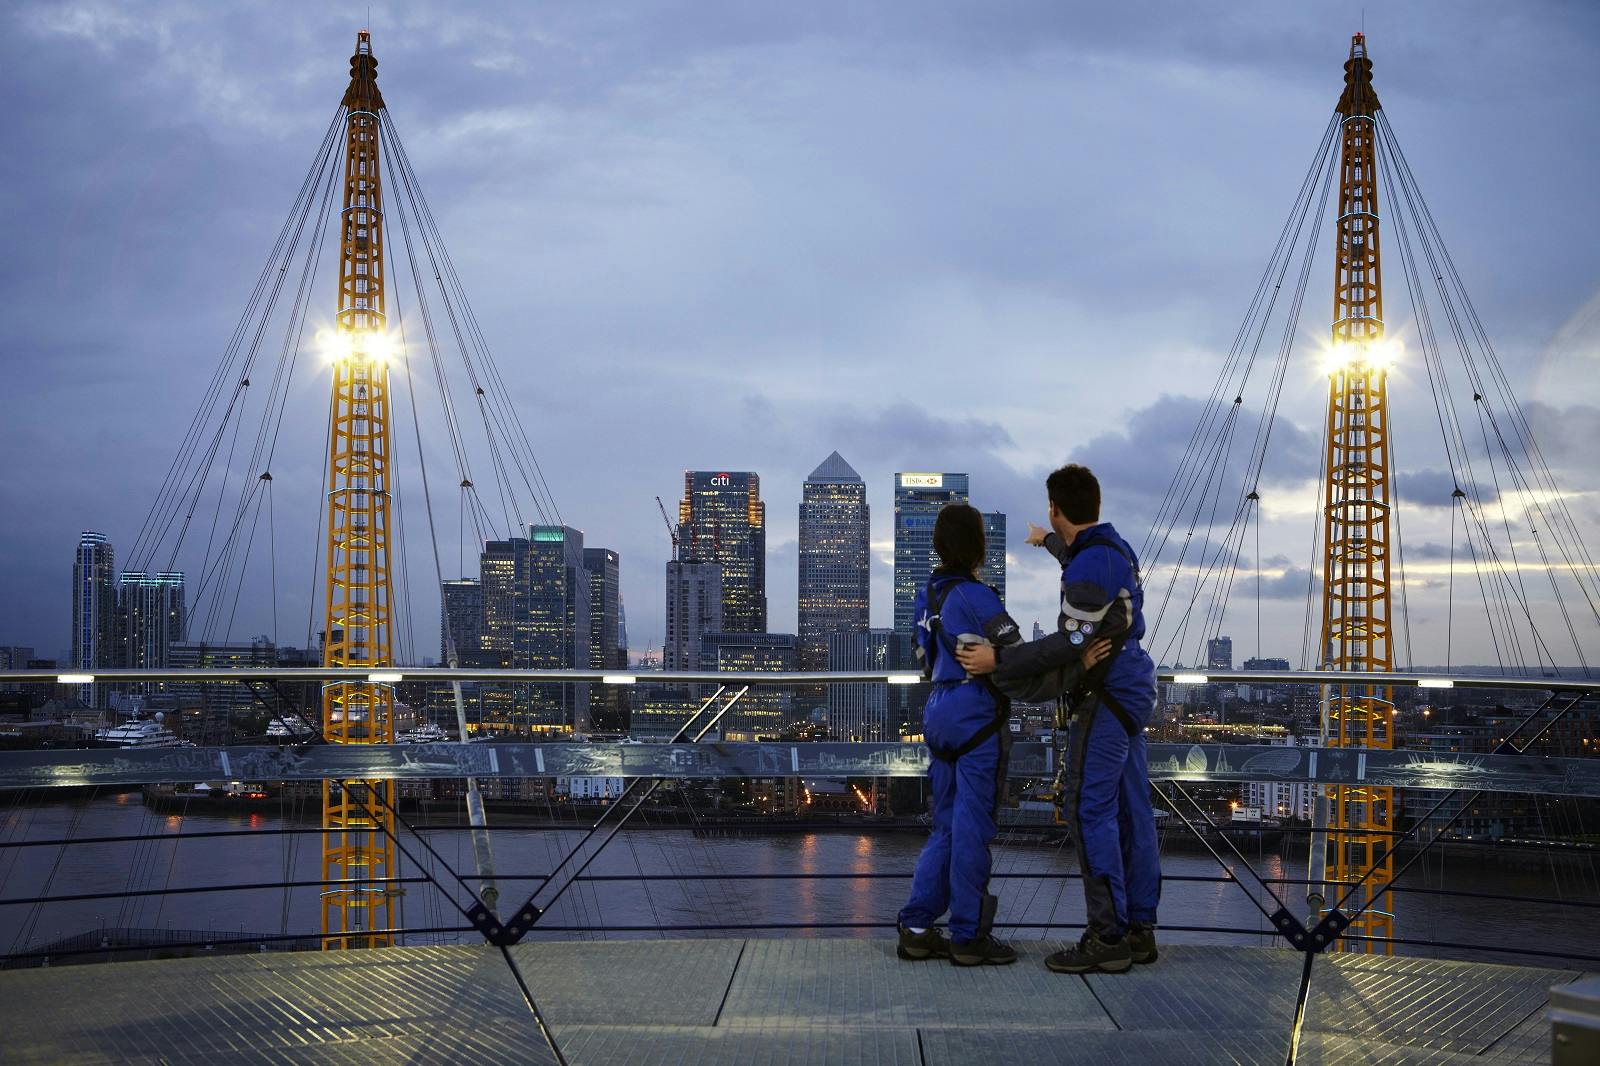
[461, 619]
[150, 617]
[694, 608]
[994, 559]
[1219, 653]
[94, 612]
[722, 520]
[860, 712]
[607, 709]
[559, 606]
[917, 499]
[536, 616]
[834, 553]
[765, 709]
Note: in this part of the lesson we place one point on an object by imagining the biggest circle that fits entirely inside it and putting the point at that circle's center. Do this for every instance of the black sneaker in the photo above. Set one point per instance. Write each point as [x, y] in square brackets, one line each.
[930, 944]
[981, 951]
[1093, 954]
[1141, 940]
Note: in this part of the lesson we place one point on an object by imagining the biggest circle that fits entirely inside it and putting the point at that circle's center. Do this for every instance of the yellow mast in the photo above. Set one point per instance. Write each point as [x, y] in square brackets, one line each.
[358, 851]
[1355, 573]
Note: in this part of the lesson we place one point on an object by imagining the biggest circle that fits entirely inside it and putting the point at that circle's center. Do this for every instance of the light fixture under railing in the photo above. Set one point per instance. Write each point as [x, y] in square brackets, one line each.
[1190, 679]
[904, 679]
[618, 679]
[385, 677]
[75, 679]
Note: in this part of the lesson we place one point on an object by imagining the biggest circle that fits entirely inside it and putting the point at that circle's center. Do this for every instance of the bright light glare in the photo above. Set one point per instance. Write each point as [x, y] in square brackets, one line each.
[75, 679]
[384, 677]
[1190, 679]
[342, 345]
[618, 679]
[1436, 682]
[904, 679]
[1377, 355]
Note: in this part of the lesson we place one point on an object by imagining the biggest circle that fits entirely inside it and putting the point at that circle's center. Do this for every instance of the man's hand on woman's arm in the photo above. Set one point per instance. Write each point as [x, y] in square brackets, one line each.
[979, 659]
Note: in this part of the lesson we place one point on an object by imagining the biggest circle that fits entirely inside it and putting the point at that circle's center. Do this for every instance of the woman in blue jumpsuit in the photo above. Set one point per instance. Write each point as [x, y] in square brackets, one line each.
[965, 724]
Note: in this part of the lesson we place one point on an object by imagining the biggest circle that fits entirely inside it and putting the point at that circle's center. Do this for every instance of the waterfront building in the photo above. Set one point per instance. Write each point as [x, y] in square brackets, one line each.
[721, 519]
[1285, 800]
[694, 608]
[657, 710]
[150, 617]
[94, 612]
[607, 651]
[460, 619]
[861, 712]
[765, 709]
[834, 554]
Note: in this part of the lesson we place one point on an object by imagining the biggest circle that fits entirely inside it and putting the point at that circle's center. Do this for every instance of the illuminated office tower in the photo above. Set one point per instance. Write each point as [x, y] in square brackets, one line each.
[460, 619]
[834, 552]
[763, 711]
[860, 712]
[536, 616]
[607, 709]
[722, 520]
[917, 500]
[994, 559]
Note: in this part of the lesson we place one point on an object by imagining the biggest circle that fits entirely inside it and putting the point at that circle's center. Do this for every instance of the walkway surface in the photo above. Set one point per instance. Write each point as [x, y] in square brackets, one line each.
[757, 1002]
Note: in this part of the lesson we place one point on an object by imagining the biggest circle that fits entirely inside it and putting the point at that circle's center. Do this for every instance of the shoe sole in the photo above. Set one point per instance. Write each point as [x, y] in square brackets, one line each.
[1146, 960]
[1114, 966]
[981, 961]
[918, 954]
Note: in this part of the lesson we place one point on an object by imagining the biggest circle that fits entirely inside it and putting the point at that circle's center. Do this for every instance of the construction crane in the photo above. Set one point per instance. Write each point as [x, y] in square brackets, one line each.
[672, 530]
[359, 898]
[1356, 535]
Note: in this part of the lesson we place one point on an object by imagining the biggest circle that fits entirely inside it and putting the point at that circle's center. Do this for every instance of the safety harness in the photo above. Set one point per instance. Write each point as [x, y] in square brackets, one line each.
[1002, 705]
[1092, 687]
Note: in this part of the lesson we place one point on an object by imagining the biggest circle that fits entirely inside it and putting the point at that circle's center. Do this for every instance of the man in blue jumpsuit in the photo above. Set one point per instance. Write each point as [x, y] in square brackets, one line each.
[1106, 797]
[965, 725]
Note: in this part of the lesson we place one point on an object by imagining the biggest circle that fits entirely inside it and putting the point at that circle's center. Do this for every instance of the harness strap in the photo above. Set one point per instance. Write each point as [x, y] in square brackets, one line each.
[1121, 713]
[971, 744]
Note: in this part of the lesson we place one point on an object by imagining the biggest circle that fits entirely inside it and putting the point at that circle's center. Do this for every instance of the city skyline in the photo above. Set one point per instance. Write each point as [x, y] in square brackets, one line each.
[1098, 331]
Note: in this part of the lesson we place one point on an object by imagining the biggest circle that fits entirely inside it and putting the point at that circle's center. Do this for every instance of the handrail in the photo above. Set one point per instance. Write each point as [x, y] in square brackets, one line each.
[397, 674]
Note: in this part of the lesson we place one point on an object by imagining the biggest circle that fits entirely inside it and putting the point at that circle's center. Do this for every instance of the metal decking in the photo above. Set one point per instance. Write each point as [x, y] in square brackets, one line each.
[771, 1001]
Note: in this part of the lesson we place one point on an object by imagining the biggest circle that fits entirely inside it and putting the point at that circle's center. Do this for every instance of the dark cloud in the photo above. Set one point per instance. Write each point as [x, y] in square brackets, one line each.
[743, 235]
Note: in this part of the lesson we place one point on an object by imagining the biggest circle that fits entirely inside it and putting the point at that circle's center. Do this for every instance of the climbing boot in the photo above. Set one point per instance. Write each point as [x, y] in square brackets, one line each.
[1093, 954]
[981, 951]
[1141, 940]
[915, 947]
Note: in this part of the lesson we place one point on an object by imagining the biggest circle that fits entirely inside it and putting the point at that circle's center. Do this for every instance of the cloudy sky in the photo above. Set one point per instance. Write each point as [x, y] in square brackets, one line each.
[971, 237]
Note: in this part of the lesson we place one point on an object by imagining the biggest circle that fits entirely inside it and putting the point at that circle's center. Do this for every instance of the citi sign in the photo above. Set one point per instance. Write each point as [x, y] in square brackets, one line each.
[721, 480]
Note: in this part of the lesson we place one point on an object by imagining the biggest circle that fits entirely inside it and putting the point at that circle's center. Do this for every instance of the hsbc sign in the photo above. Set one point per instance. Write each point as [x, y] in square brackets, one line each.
[922, 481]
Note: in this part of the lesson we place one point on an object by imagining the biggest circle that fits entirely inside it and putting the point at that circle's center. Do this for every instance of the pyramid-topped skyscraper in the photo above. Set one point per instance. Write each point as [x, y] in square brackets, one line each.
[834, 551]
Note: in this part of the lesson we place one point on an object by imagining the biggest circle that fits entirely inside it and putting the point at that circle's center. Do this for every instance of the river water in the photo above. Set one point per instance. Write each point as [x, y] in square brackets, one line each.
[1529, 923]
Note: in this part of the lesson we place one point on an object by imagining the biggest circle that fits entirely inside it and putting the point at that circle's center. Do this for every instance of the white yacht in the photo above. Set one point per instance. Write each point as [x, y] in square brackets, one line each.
[140, 733]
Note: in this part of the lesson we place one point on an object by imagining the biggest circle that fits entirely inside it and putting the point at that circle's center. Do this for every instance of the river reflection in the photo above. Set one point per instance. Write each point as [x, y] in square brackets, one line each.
[1033, 900]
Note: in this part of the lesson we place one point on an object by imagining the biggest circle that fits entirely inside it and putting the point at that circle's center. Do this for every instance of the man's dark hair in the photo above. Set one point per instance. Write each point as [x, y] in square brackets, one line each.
[1076, 494]
[958, 537]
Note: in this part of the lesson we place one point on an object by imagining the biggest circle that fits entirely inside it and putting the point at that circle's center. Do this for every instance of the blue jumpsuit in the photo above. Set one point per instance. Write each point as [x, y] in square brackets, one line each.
[953, 869]
[1107, 801]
